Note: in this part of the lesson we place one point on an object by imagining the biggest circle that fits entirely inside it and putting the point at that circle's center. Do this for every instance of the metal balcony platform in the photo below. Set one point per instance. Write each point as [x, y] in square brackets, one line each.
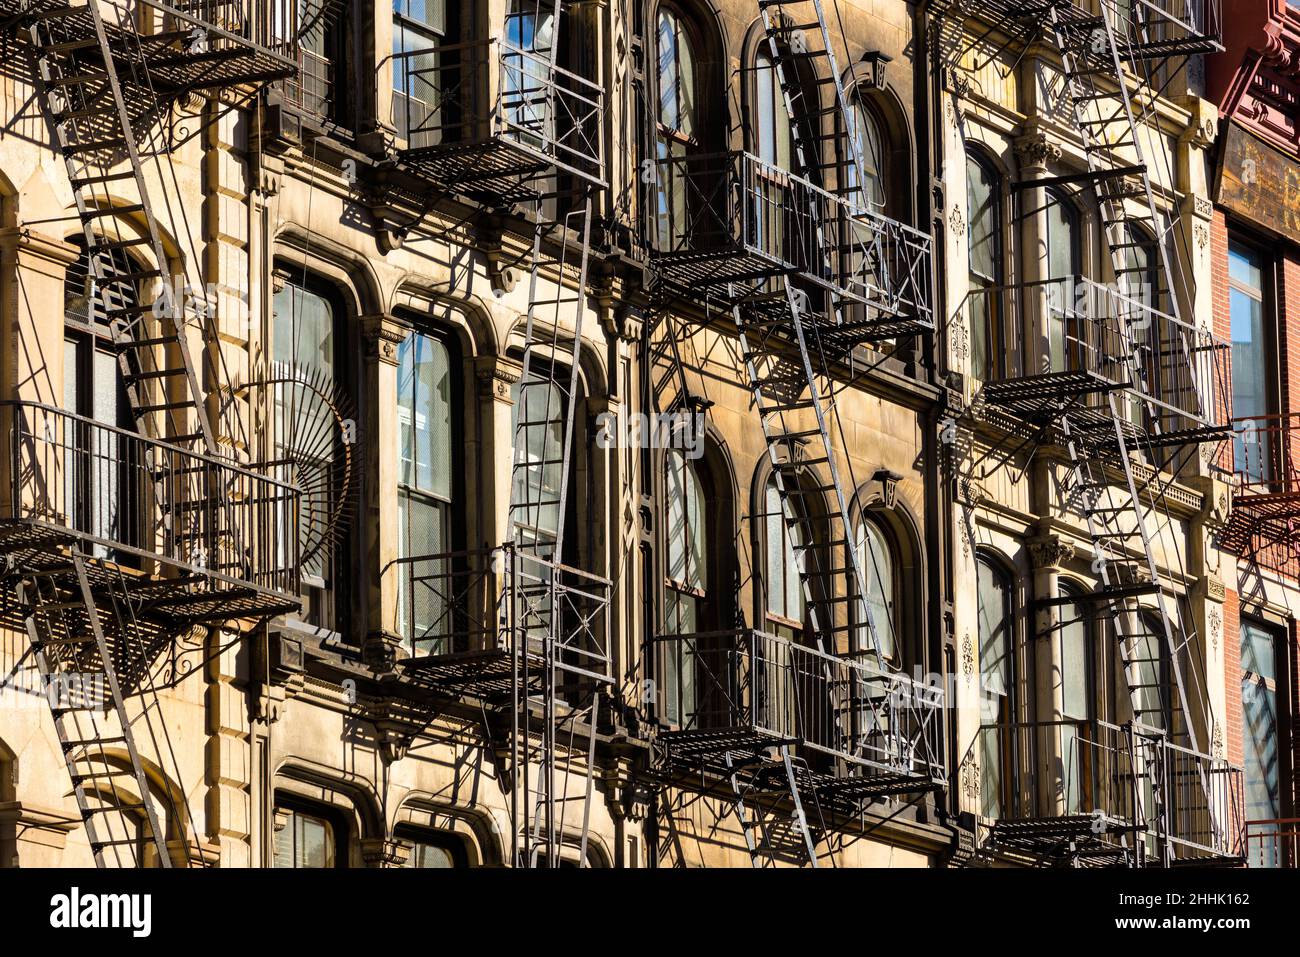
[495, 172]
[188, 598]
[1045, 397]
[192, 54]
[1084, 840]
[487, 674]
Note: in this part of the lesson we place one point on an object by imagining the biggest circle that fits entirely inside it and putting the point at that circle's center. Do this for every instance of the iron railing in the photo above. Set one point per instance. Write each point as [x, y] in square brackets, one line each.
[1174, 24]
[503, 599]
[1073, 324]
[491, 92]
[850, 710]
[138, 499]
[1125, 780]
[1266, 456]
[1273, 843]
[751, 220]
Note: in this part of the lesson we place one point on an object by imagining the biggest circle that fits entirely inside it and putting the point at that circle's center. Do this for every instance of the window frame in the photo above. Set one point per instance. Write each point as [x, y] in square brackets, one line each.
[989, 287]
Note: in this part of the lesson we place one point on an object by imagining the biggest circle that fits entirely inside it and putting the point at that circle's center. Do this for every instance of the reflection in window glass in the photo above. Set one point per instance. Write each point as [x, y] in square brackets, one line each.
[687, 583]
[785, 599]
[1259, 703]
[984, 240]
[876, 559]
[305, 841]
[1251, 331]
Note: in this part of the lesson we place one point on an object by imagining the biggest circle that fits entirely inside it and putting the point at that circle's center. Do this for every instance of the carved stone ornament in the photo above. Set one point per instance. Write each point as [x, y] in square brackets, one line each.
[970, 779]
[1050, 552]
[968, 656]
[957, 221]
[1215, 621]
[496, 375]
[888, 486]
[383, 334]
[1036, 150]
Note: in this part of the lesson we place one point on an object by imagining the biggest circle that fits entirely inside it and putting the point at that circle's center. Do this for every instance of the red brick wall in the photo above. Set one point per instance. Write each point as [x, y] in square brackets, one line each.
[1232, 667]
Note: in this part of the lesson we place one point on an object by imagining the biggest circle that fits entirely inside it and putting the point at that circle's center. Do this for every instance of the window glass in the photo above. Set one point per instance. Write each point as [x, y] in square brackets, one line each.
[539, 448]
[994, 630]
[1076, 661]
[424, 412]
[868, 184]
[677, 126]
[876, 559]
[772, 124]
[419, 28]
[984, 240]
[785, 600]
[1259, 701]
[303, 349]
[1251, 349]
[687, 572]
[305, 841]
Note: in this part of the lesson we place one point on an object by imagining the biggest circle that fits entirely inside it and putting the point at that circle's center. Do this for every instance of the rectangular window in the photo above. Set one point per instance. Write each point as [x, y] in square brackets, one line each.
[419, 29]
[304, 841]
[1252, 329]
[1260, 725]
[305, 355]
[425, 474]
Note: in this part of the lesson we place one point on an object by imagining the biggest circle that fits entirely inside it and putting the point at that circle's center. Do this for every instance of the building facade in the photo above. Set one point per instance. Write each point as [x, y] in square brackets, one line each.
[1253, 242]
[622, 434]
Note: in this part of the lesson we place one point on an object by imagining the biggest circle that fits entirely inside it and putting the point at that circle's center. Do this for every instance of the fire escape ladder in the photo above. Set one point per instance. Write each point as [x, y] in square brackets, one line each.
[785, 360]
[70, 646]
[87, 109]
[1113, 142]
[540, 489]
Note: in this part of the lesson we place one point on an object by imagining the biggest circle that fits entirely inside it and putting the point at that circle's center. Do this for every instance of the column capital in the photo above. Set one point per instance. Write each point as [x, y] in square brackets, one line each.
[496, 375]
[1036, 149]
[383, 333]
[1049, 552]
[381, 852]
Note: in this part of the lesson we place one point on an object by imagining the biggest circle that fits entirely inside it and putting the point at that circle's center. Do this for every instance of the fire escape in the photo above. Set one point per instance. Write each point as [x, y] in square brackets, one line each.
[105, 586]
[500, 124]
[807, 277]
[1126, 388]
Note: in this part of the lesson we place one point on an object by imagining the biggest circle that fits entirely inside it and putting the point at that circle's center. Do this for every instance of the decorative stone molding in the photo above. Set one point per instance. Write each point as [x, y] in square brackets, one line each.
[382, 852]
[968, 656]
[1214, 588]
[1214, 622]
[380, 651]
[970, 779]
[874, 76]
[1049, 552]
[383, 334]
[957, 221]
[496, 375]
[1036, 150]
[888, 486]
[1202, 124]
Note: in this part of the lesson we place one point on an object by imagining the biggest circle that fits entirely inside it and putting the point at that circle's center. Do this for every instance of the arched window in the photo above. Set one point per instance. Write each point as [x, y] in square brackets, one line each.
[869, 185]
[769, 195]
[1149, 683]
[784, 607]
[102, 497]
[1068, 335]
[677, 127]
[986, 267]
[686, 612]
[878, 560]
[996, 626]
[773, 137]
[425, 489]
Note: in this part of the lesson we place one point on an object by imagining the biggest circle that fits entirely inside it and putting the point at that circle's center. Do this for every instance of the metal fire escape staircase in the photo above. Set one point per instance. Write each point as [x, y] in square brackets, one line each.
[1102, 53]
[84, 616]
[796, 328]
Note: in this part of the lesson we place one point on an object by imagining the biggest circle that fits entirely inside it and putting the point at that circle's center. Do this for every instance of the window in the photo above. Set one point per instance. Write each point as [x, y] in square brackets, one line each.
[419, 29]
[784, 597]
[434, 849]
[1252, 330]
[1067, 331]
[1078, 698]
[774, 139]
[677, 129]
[539, 422]
[876, 558]
[425, 489]
[686, 538]
[304, 840]
[997, 678]
[984, 240]
[322, 40]
[1260, 659]
[773, 220]
[1149, 693]
[100, 491]
[526, 93]
[868, 186]
[307, 322]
